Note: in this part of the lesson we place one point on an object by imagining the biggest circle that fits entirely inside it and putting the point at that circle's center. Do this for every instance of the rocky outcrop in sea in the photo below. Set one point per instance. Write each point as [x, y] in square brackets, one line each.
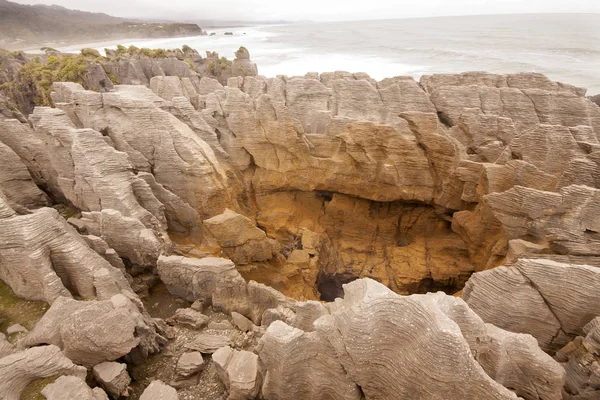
[325, 236]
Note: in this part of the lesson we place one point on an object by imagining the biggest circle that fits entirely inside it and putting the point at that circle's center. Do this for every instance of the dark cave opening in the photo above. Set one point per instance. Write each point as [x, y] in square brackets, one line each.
[330, 286]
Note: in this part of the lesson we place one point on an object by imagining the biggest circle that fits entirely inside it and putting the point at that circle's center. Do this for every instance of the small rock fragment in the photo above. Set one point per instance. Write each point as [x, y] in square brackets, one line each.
[197, 305]
[189, 317]
[113, 377]
[189, 364]
[157, 390]
[221, 325]
[242, 323]
[208, 344]
[16, 328]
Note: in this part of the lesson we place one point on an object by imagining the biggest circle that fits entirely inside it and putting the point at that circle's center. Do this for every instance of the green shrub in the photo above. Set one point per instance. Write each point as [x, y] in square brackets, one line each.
[34, 389]
[223, 62]
[185, 48]
[121, 50]
[36, 78]
[111, 76]
[154, 53]
[47, 49]
[90, 53]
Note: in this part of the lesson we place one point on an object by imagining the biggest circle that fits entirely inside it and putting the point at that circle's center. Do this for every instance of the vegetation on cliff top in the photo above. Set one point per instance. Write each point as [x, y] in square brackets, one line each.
[38, 77]
[32, 81]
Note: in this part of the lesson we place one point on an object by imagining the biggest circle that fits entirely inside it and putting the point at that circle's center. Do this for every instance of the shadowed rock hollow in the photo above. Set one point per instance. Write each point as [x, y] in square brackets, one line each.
[307, 184]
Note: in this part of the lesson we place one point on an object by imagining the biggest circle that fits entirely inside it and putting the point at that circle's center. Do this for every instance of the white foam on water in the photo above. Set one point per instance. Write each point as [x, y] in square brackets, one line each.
[303, 62]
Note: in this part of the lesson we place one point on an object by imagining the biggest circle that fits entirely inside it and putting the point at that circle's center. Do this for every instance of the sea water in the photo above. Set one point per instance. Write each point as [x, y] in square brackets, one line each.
[565, 47]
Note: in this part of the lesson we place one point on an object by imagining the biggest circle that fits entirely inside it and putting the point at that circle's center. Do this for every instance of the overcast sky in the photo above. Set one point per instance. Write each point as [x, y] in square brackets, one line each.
[318, 10]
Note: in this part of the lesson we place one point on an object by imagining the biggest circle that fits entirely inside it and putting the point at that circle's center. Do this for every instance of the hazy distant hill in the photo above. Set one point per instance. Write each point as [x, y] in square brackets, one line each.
[24, 25]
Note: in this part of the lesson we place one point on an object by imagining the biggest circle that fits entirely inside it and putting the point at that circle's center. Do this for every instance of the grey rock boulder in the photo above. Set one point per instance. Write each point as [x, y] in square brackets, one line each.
[95, 331]
[16, 328]
[216, 282]
[220, 325]
[239, 371]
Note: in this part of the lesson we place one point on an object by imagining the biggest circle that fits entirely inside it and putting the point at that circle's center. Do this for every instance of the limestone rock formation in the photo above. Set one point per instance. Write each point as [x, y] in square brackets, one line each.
[16, 182]
[435, 174]
[306, 375]
[414, 334]
[550, 300]
[138, 124]
[239, 371]
[19, 369]
[304, 185]
[53, 259]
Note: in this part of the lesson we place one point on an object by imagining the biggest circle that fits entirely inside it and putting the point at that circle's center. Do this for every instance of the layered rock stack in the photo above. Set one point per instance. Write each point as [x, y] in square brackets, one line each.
[257, 198]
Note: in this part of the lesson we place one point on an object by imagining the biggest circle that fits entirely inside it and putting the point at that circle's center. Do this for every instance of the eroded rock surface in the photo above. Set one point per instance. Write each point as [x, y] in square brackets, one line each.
[415, 334]
[19, 369]
[53, 259]
[550, 300]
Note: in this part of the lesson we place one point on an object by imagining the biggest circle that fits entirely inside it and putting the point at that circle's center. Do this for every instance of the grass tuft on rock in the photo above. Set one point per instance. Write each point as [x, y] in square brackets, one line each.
[14, 310]
[34, 389]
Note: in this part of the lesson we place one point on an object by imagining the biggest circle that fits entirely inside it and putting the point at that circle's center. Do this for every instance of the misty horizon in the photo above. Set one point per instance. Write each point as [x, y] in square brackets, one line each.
[270, 12]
